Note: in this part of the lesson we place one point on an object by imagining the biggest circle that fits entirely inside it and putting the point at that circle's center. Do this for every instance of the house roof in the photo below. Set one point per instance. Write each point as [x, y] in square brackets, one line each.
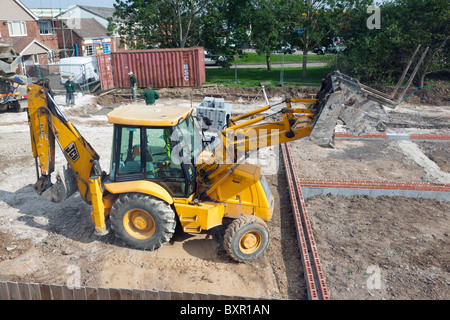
[103, 12]
[27, 45]
[88, 28]
[47, 13]
[26, 9]
[35, 47]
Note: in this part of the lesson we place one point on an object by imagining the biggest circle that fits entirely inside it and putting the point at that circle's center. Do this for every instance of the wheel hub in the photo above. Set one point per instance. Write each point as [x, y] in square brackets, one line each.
[139, 224]
[250, 242]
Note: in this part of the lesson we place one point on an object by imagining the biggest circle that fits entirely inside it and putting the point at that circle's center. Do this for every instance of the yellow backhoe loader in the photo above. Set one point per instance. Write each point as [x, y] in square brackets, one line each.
[162, 172]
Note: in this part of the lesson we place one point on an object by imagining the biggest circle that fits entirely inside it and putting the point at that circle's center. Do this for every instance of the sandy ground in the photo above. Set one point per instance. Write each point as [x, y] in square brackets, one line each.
[54, 243]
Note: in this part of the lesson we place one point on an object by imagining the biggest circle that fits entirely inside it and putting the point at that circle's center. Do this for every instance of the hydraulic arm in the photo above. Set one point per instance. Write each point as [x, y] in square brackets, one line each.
[48, 125]
[250, 132]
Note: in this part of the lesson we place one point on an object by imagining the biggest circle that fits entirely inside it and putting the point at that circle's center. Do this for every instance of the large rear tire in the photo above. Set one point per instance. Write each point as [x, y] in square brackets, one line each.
[246, 238]
[142, 221]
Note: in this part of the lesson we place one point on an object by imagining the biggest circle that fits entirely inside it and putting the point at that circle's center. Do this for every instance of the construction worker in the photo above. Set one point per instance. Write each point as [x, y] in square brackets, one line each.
[150, 96]
[70, 91]
[133, 85]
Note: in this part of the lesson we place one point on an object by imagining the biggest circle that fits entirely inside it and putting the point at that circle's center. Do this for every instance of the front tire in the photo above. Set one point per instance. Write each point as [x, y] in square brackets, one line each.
[15, 106]
[246, 238]
[142, 221]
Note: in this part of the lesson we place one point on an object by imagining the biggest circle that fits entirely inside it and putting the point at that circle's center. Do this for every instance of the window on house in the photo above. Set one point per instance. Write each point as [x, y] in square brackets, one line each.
[36, 59]
[17, 28]
[45, 27]
[90, 51]
[51, 57]
[106, 48]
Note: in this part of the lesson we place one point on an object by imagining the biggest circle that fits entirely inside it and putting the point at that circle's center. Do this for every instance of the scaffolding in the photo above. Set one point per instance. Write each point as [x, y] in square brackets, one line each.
[64, 46]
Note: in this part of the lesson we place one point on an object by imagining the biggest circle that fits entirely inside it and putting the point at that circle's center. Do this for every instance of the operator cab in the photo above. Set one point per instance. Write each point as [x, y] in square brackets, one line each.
[155, 143]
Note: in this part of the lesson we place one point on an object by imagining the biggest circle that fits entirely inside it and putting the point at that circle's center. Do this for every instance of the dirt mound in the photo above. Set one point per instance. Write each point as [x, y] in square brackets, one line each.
[438, 96]
[111, 98]
[228, 93]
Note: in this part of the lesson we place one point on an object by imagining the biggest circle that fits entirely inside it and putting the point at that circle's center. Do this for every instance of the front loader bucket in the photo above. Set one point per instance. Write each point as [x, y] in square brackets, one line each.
[338, 99]
[361, 108]
[63, 188]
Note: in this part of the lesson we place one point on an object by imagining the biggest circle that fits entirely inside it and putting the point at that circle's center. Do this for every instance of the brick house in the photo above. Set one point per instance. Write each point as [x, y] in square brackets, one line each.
[90, 29]
[32, 39]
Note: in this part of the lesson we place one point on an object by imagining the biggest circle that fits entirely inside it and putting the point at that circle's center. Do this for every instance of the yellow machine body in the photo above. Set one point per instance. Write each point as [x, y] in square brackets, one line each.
[231, 189]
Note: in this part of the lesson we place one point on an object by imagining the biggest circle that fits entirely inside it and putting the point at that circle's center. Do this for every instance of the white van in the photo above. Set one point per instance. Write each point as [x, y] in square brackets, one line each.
[83, 70]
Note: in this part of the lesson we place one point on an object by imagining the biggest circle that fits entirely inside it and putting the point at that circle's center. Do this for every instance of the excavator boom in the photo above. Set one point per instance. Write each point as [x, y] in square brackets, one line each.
[48, 125]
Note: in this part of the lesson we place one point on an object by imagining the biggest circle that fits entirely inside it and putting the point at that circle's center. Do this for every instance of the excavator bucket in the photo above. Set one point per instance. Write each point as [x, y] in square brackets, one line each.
[361, 108]
[64, 186]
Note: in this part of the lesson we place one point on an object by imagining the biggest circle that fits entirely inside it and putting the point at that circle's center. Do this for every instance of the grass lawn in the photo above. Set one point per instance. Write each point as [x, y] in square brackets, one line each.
[252, 76]
[276, 58]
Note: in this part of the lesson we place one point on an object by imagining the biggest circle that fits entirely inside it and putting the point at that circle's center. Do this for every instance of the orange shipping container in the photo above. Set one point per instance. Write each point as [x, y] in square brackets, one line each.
[160, 68]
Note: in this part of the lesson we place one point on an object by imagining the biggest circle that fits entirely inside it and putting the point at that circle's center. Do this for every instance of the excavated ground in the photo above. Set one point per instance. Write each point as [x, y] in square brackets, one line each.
[407, 239]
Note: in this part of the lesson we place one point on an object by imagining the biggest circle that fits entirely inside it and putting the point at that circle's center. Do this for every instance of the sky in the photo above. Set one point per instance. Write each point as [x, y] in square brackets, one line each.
[56, 4]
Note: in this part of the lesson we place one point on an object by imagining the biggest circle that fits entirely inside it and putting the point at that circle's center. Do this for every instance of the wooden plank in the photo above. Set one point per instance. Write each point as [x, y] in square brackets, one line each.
[105, 93]
[35, 291]
[165, 295]
[13, 290]
[4, 294]
[103, 294]
[214, 297]
[68, 293]
[188, 296]
[176, 296]
[91, 293]
[95, 88]
[57, 292]
[24, 291]
[151, 295]
[79, 293]
[202, 296]
[45, 291]
[138, 294]
[126, 294]
[114, 294]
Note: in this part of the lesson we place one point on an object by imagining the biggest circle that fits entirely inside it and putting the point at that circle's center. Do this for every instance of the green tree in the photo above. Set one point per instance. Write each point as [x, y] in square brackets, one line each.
[164, 23]
[267, 26]
[380, 55]
[427, 22]
[312, 21]
[224, 28]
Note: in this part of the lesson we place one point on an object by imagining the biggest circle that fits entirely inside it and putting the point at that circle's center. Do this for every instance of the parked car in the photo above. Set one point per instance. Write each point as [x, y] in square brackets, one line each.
[209, 61]
[286, 49]
[212, 60]
[335, 47]
[320, 50]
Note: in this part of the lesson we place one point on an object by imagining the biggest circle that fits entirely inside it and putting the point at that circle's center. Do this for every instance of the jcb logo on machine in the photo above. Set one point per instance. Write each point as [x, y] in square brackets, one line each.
[72, 152]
